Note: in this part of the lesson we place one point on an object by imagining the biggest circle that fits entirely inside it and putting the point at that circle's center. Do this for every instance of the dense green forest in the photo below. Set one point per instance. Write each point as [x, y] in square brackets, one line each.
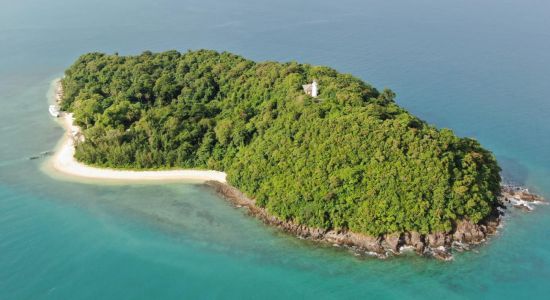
[350, 159]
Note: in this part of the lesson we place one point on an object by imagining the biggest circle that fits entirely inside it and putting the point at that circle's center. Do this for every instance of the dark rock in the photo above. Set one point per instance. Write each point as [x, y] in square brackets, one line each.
[436, 239]
[523, 207]
[492, 226]
[416, 240]
[467, 232]
[525, 196]
[518, 192]
[442, 253]
[41, 155]
[368, 243]
[460, 246]
[392, 242]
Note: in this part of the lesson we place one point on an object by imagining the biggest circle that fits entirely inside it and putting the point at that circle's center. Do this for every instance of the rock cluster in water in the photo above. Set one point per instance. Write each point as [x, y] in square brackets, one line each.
[520, 197]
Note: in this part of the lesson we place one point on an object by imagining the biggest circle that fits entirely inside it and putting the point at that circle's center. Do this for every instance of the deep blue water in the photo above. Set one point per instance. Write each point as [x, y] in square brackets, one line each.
[481, 68]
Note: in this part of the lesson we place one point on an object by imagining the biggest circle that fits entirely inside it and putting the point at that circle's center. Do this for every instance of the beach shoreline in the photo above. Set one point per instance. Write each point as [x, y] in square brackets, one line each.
[63, 165]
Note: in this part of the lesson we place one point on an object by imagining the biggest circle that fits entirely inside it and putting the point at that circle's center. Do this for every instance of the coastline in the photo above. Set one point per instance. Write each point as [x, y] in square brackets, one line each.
[62, 164]
[438, 245]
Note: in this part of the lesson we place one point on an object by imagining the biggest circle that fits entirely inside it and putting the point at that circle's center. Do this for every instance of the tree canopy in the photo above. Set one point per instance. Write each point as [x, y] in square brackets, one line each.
[351, 159]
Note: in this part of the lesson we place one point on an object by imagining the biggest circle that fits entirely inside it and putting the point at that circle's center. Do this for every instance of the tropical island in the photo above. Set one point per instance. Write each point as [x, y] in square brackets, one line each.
[336, 160]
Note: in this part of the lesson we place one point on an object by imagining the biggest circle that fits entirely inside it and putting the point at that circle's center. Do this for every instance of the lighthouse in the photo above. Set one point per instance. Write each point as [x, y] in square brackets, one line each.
[314, 89]
[311, 89]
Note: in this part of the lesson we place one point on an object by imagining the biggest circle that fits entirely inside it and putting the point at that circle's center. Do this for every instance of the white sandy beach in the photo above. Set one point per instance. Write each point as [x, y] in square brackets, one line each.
[64, 163]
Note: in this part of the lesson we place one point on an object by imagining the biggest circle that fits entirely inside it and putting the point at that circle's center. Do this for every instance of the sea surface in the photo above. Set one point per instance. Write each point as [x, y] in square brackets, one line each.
[481, 68]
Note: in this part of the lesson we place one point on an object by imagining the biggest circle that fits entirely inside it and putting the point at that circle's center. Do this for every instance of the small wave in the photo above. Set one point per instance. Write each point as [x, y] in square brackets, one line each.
[41, 155]
[529, 204]
[406, 249]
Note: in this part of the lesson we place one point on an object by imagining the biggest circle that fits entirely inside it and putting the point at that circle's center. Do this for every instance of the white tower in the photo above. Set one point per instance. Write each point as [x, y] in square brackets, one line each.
[314, 89]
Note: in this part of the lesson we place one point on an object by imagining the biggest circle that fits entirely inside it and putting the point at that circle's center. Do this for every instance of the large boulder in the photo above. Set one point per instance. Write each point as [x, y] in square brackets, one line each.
[436, 239]
[366, 242]
[415, 240]
[392, 242]
[468, 232]
[526, 196]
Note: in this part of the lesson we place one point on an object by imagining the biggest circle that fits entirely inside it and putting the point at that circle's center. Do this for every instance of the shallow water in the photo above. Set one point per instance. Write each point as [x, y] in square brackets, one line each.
[481, 69]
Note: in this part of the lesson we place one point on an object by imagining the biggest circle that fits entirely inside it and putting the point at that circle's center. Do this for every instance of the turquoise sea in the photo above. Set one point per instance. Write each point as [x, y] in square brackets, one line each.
[481, 68]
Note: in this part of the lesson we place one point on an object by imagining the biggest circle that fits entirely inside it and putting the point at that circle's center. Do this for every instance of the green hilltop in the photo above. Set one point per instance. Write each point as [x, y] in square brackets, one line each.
[351, 159]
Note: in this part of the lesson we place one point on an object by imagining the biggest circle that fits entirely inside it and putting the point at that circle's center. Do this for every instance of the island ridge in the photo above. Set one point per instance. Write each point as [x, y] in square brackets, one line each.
[349, 162]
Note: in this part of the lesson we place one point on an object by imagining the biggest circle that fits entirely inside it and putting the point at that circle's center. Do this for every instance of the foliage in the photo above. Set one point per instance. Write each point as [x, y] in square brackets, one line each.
[351, 159]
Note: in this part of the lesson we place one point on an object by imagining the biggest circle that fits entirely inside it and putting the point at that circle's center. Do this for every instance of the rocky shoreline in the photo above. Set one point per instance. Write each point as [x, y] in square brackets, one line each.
[438, 245]
[520, 197]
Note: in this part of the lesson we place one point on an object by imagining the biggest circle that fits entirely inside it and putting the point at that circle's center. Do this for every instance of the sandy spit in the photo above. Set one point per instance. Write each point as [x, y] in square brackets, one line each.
[63, 165]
